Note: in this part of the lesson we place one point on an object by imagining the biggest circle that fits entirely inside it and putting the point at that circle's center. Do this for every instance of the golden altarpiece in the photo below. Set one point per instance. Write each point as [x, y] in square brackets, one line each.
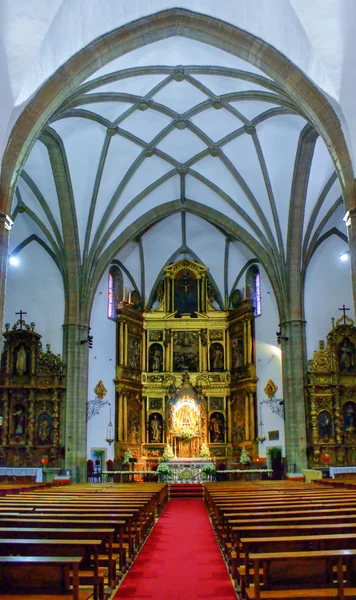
[331, 398]
[31, 388]
[185, 371]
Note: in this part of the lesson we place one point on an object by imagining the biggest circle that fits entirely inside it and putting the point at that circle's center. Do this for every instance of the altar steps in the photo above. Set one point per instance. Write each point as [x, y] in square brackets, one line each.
[185, 491]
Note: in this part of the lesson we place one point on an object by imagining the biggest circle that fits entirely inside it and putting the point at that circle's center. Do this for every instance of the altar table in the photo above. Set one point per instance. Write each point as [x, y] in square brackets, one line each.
[23, 472]
[188, 471]
[336, 470]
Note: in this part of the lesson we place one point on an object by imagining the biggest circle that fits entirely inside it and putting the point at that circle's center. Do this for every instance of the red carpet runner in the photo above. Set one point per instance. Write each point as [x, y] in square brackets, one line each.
[180, 560]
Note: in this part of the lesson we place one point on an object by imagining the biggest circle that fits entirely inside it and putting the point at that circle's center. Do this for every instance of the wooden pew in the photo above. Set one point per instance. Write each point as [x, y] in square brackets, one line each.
[56, 547]
[302, 575]
[117, 525]
[40, 578]
[43, 533]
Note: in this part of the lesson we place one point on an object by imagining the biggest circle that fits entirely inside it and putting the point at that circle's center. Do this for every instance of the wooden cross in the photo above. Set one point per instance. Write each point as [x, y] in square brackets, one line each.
[344, 309]
[21, 319]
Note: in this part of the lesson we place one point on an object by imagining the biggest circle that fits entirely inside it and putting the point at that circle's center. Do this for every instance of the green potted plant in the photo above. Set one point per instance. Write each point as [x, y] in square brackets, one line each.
[209, 471]
[164, 471]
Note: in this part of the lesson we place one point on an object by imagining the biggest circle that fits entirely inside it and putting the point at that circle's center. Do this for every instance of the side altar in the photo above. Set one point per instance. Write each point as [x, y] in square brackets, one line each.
[331, 398]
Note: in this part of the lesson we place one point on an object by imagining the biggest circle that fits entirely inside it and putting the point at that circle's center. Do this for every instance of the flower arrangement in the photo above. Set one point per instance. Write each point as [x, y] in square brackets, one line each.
[164, 469]
[245, 458]
[127, 456]
[204, 451]
[186, 433]
[325, 458]
[168, 453]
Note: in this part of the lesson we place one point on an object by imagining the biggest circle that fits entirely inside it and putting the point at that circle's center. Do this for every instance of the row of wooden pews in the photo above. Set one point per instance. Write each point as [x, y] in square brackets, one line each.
[286, 540]
[74, 542]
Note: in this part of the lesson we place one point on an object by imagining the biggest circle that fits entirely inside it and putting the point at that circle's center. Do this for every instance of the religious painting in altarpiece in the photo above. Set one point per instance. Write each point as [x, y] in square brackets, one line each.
[31, 400]
[331, 398]
[185, 372]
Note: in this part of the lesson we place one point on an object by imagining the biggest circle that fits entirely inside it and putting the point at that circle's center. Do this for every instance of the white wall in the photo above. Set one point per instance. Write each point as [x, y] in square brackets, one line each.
[268, 363]
[102, 360]
[35, 286]
[326, 290]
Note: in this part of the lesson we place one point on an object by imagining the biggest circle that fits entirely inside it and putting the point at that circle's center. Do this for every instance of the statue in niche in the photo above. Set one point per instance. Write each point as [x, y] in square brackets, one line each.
[156, 357]
[216, 357]
[346, 353]
[19, 417]
[155, 428]
[349, 414]
[21, 361]
[237, 353]
[134, 423]
[44, 428]
[325, 425]
[216, 428]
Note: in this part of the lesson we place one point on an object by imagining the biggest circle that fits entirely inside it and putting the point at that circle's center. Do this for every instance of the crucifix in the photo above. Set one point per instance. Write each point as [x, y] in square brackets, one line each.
[21, 312]
[344, 309]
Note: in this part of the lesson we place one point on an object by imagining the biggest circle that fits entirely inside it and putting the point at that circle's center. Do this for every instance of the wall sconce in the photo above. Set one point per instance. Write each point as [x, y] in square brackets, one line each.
[110, 431]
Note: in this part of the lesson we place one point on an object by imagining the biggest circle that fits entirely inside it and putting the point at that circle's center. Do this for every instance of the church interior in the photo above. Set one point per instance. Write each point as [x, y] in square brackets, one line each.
[178, 246]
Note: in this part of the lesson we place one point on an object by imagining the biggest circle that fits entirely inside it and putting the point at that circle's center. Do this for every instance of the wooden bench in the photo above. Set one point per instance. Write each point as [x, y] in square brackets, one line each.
[89, 572]
[302, 575]
[40, 577]
[105, 535]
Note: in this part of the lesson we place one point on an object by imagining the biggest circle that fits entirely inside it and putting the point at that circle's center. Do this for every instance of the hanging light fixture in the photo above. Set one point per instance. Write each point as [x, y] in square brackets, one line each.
[110, 431]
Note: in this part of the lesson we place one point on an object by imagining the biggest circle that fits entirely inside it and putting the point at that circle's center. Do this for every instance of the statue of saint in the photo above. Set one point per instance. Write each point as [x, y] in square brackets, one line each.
[156, 429]
[19, 420]
[21, 361]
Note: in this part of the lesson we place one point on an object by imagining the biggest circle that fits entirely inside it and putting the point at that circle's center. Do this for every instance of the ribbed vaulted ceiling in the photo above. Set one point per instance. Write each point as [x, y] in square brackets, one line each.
[178, 126]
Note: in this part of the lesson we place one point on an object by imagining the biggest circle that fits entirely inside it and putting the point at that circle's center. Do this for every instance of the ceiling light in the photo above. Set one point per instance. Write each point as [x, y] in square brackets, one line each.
[14, 261]
[345, 255]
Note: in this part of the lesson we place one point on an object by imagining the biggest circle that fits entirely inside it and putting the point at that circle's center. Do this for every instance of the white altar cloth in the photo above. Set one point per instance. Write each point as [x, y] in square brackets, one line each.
[23, 472]
[335, 470]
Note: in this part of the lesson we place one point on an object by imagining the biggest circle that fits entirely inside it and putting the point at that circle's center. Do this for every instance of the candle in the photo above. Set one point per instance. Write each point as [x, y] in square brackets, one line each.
[124, 297]
[129, 296]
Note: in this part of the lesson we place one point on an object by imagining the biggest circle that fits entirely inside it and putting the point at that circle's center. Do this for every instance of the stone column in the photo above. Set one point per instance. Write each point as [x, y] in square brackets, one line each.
[75, 357]
[294, 368]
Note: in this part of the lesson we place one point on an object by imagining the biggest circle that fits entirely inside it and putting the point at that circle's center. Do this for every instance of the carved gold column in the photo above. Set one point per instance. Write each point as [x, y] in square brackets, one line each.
[126, 351]
[125, 417]
[338, 417]
[203, 293]
[229, 424]
[228, 350]
[199, 295]
[55, 417]
[120, 417]
[144, 364]
[143, 421]
[31, 418]
[247, 418]
[121, 343]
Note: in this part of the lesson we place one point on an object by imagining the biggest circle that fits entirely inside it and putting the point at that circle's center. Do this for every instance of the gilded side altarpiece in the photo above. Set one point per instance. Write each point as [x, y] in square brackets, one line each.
[331, 398]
